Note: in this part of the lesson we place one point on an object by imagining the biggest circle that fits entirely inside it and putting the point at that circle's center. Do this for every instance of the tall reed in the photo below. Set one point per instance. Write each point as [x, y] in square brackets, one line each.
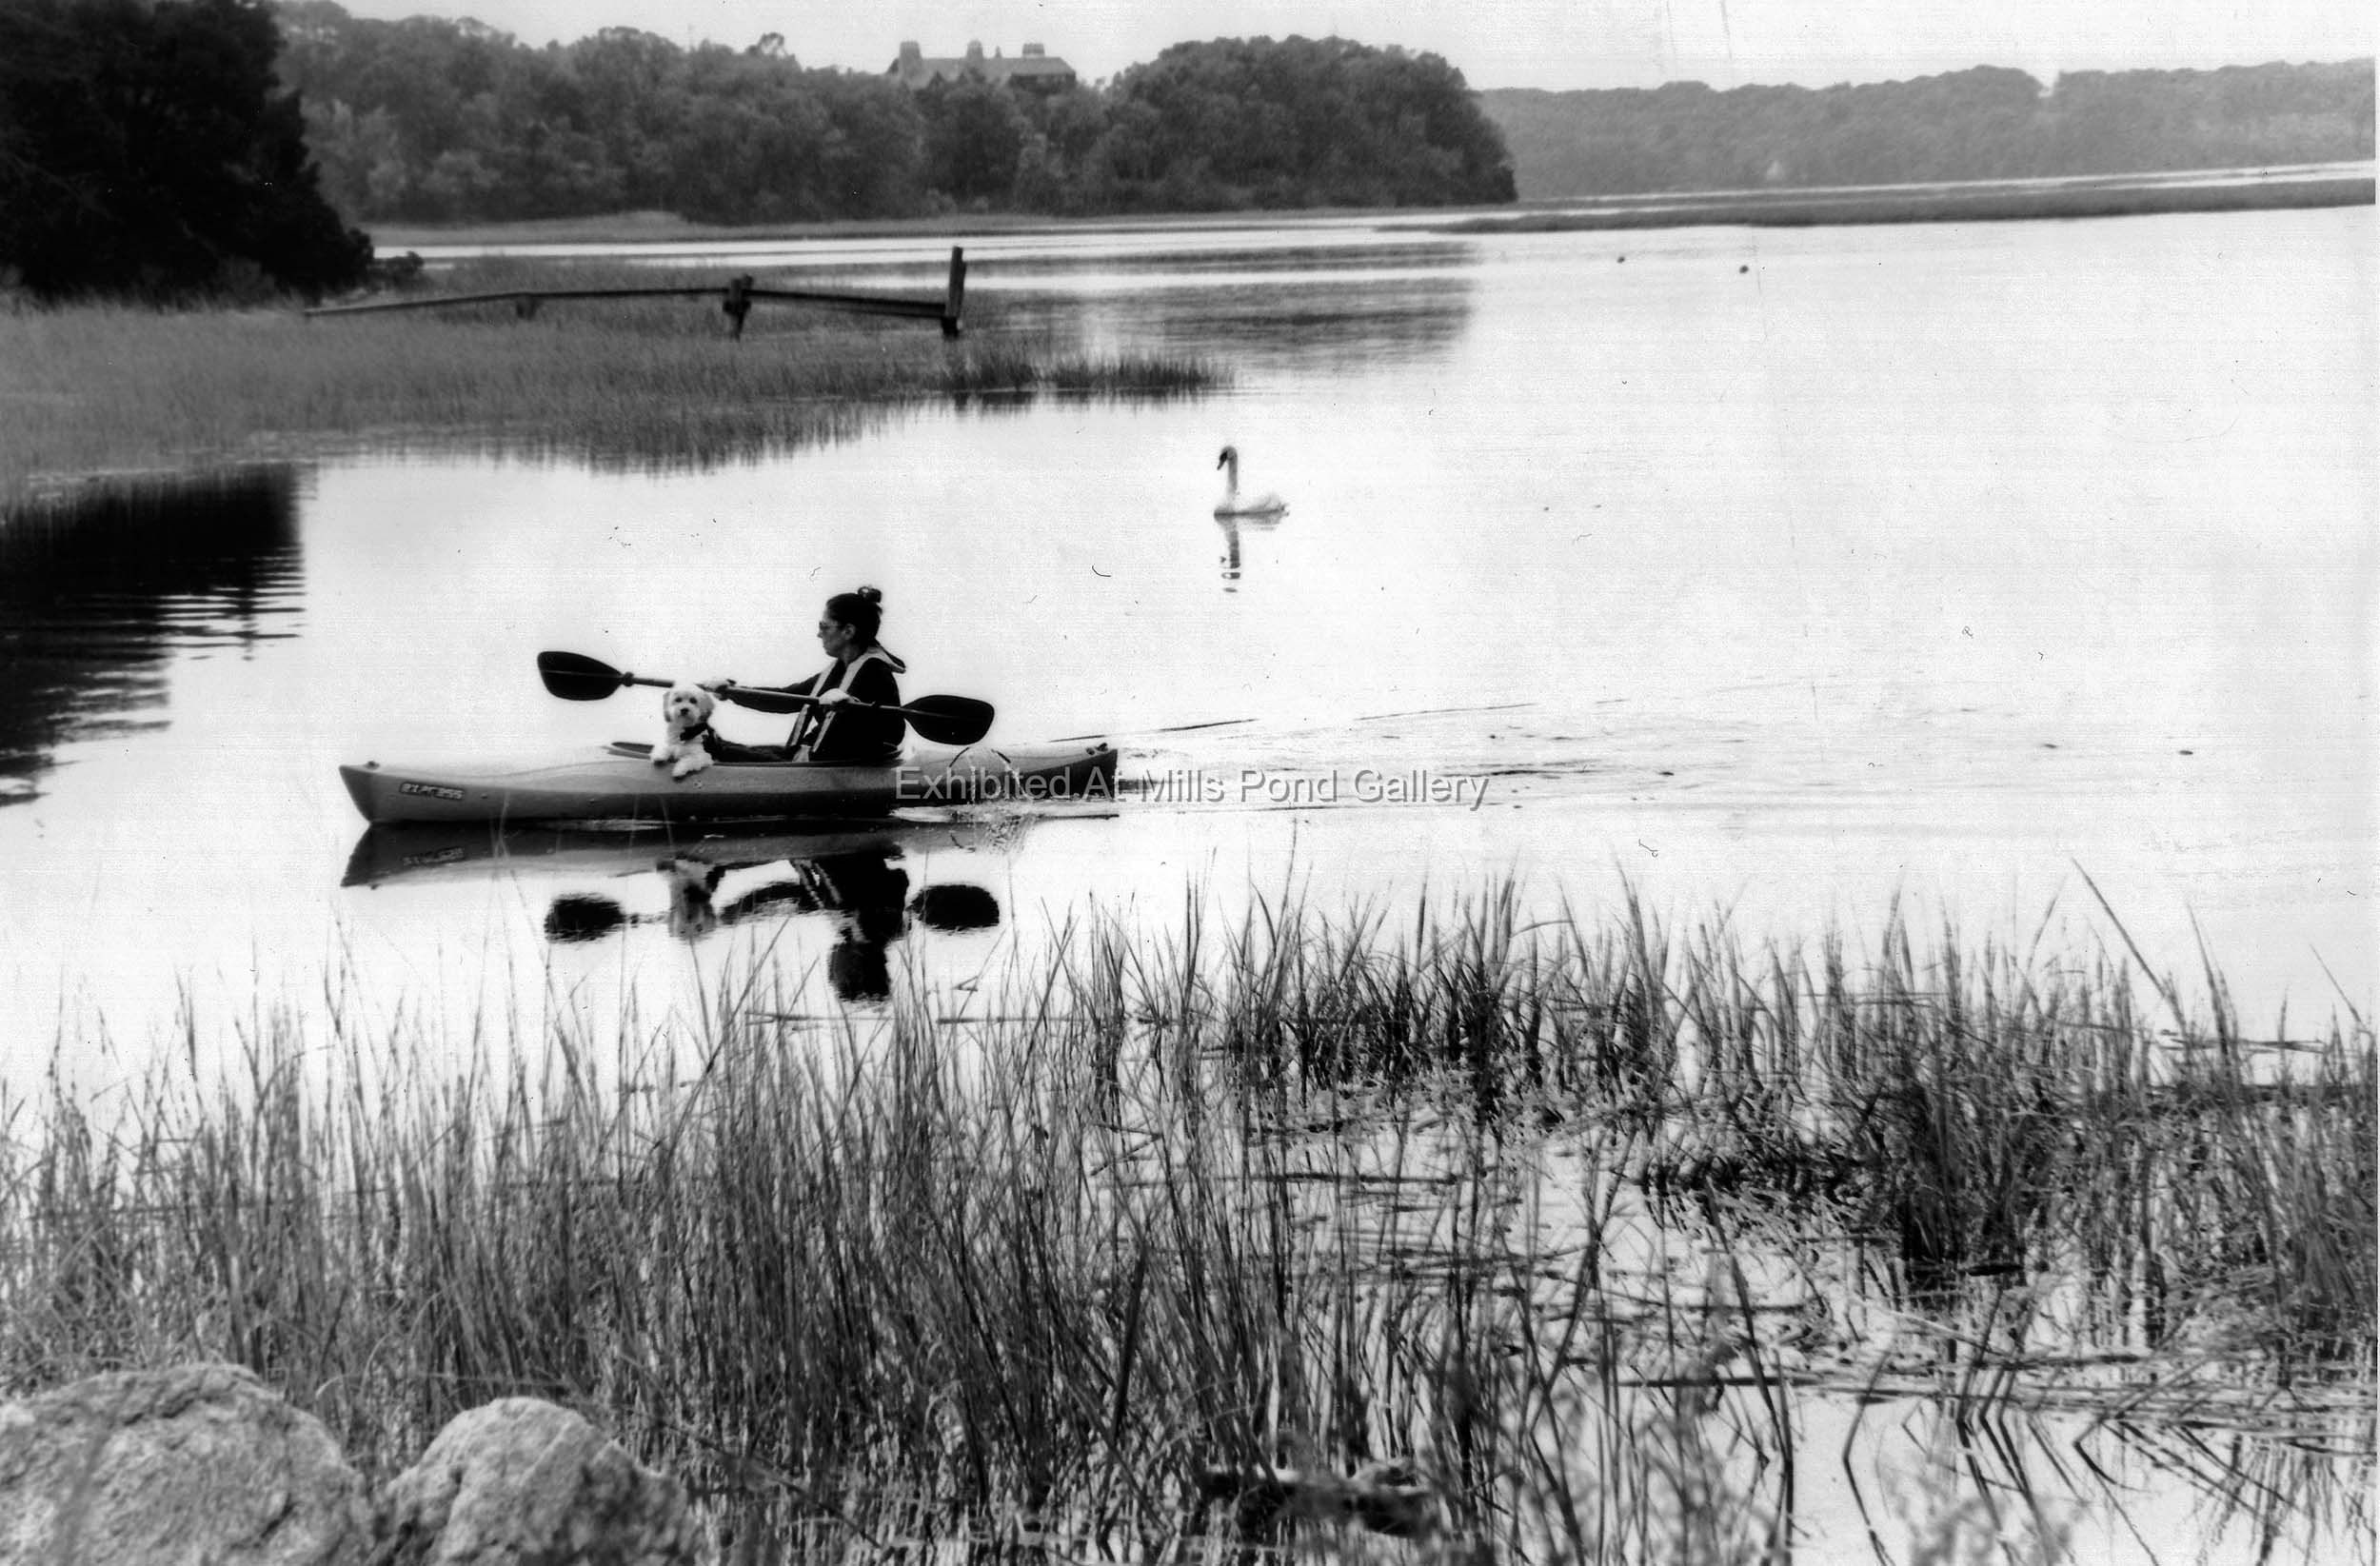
[1512, 1205]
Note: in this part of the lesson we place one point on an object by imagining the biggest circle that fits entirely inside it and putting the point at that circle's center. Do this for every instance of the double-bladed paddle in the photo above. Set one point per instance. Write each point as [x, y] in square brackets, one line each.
[943, 719]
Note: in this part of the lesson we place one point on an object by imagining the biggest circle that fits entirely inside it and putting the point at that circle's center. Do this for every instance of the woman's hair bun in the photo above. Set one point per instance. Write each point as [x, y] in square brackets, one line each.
[872, 595]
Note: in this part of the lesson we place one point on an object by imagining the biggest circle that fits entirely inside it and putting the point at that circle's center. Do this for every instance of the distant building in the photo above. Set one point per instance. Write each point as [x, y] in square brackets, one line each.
[1032, 69]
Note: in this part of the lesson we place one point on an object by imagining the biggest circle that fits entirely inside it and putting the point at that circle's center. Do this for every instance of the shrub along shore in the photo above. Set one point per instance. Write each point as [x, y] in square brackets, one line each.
[105, 391]
[1564, 1218]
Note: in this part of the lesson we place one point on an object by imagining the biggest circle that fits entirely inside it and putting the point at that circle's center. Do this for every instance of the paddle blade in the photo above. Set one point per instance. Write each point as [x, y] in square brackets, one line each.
[949, 719]
[955, 906]
[575, 677]
[582, 916]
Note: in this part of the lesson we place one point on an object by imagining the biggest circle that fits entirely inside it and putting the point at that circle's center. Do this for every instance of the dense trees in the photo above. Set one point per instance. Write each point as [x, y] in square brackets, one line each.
[430, 120]
[147, 150]
[1300, 123]
[975, 132]
[1980, 124]
[147, 146]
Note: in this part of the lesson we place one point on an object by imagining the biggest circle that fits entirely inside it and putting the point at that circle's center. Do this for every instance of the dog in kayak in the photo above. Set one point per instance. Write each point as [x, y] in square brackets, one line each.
[685, 739]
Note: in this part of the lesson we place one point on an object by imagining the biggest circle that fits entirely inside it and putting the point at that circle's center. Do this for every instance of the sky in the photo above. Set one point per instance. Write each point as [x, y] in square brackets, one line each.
[1552, 44]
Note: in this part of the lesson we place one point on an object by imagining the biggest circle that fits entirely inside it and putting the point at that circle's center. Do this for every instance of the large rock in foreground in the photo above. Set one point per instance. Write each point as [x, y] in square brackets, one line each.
[164, 1467]
[520, 1482]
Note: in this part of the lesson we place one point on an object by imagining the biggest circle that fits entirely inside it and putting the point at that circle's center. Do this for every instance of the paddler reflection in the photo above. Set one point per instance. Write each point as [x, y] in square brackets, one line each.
[849, 873]
[863, 893]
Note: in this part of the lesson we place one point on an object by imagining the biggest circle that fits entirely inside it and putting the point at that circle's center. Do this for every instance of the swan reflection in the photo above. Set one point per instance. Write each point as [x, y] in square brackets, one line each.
[1232, 566]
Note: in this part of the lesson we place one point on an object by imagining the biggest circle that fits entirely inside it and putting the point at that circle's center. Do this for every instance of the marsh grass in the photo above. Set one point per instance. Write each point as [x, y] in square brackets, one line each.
[104, 390]
[1571, 1221]
[1982, 203]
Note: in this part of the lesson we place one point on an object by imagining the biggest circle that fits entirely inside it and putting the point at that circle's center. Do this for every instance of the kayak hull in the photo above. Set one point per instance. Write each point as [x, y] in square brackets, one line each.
[619, 783]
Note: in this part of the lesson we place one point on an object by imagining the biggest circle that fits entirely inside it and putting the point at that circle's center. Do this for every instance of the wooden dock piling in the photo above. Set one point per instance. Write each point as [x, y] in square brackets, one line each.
[957, 293]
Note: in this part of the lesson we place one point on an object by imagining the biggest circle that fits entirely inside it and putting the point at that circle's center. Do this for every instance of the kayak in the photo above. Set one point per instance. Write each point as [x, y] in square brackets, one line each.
[619, 783]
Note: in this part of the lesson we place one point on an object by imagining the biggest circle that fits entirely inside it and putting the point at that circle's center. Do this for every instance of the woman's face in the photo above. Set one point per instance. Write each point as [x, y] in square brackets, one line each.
[836, 637]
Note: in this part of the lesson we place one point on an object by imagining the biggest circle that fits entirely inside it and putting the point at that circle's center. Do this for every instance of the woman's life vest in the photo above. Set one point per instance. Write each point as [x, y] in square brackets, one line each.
[845, 734]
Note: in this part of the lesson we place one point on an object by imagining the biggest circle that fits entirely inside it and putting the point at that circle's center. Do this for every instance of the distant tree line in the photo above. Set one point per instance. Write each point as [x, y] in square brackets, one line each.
[1983, 124]
[147, 150]
[166, 147]
[430, 120]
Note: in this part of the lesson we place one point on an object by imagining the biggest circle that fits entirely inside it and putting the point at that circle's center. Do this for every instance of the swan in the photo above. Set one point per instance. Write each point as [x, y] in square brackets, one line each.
[1230, 505]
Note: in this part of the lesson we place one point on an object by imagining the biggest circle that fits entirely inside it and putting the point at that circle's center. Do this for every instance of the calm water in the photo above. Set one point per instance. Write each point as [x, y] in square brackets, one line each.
[1780, 577]
[1775, 574]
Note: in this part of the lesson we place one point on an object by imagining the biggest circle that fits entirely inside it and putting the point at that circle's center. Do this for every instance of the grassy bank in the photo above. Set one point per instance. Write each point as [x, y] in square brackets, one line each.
[1575, 1221]
[100, 391]
[2105, 196]
[1809, 210]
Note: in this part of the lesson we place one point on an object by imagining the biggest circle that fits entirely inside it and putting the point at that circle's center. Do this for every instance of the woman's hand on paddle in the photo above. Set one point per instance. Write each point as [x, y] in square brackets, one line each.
[833, 698]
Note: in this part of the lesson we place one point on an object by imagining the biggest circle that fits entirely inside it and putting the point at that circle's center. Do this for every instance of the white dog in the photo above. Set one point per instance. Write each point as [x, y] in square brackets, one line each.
[686, 710]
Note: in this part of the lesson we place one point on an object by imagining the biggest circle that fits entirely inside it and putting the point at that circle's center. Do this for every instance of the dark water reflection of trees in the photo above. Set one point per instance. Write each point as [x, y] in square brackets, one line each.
[1311, 324]
[99, 588]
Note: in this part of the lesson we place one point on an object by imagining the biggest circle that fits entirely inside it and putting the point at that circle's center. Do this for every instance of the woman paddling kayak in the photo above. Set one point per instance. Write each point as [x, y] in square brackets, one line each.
[863, 672]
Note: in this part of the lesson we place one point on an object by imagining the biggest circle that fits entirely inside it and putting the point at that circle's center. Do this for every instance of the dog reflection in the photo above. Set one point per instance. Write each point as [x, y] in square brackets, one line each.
[691, 915]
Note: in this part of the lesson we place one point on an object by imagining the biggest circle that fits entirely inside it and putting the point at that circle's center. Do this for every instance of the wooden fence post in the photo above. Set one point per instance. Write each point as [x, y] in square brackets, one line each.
[957, 297]
[738, 304]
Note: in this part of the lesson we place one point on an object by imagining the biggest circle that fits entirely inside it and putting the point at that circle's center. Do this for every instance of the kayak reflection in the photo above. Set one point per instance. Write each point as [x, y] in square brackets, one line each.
[418, 851]
[847, 874]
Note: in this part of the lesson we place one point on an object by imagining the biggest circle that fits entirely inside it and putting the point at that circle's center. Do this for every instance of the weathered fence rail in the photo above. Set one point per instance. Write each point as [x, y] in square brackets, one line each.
[736, 297]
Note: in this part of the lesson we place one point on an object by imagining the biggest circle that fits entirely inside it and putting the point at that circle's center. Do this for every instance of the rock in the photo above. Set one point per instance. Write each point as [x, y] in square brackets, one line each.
[522, 1483]
[188, 1464]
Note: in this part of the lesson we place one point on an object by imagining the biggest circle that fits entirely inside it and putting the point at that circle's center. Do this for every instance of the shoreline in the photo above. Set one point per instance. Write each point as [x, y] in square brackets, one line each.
[2057, 196]
[113, 393]
[217, 387]
[1990, 205]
